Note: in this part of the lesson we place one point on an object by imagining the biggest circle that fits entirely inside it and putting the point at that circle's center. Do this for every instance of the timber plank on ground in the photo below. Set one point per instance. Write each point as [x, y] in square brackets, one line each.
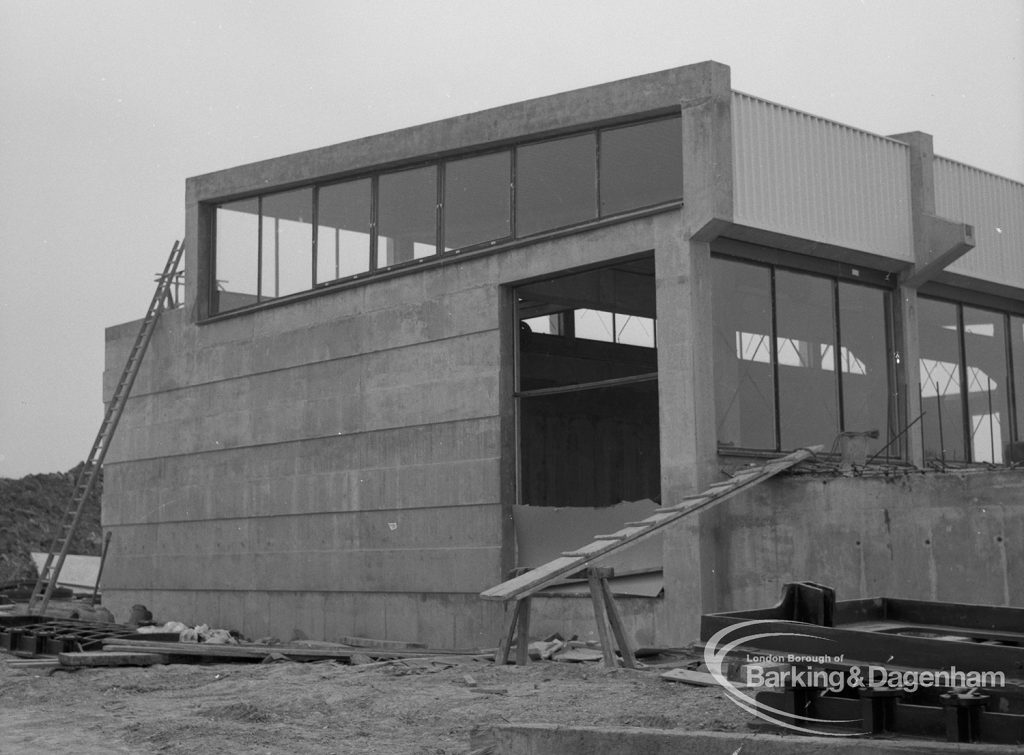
[371, 642]
[104, 658]
[255, 652]
[528, 583]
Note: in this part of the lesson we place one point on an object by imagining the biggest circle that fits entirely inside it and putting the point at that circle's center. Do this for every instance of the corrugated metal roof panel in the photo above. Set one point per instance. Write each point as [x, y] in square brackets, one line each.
[995, 207]
[809, 177]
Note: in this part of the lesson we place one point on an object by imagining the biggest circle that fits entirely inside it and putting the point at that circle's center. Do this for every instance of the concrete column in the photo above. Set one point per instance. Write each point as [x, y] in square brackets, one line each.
[685, 364]
[197, 235]
[937, 243]
[908, 372]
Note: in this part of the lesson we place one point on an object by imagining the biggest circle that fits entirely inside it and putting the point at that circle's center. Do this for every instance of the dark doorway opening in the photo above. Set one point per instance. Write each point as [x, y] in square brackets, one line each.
[587, 387]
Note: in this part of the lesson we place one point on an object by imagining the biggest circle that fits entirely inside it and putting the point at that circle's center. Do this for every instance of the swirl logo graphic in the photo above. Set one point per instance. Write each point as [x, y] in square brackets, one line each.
[715, 652]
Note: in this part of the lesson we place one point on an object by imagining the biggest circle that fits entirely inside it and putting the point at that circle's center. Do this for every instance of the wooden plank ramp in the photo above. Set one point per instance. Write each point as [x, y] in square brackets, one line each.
[572, 561]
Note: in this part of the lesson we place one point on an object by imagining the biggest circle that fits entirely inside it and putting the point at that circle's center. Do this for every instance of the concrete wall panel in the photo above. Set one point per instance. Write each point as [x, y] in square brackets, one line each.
[430, 465]
[438, 570]
[947, 537]
[426, 383]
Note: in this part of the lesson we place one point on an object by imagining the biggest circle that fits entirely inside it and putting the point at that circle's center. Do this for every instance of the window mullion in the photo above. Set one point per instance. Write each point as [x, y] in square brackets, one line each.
[774, 355]
[1013, 429]
[439, 211]
[315, 214]
[374, 204]
[513, 159]
[965, 392]
[893, 371]
[259, 249]
[837, 354]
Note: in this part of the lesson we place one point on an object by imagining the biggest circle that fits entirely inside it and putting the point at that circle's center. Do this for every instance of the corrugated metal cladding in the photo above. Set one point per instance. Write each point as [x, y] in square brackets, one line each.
[812, 178]
[995, 207]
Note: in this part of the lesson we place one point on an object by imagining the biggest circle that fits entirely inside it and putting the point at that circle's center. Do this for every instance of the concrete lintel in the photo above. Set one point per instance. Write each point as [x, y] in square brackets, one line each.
[946, 241]
[812, 248]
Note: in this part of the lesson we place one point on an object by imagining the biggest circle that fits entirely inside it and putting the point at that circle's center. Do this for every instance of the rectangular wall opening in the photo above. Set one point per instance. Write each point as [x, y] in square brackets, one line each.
[587, 388]
[588, 454]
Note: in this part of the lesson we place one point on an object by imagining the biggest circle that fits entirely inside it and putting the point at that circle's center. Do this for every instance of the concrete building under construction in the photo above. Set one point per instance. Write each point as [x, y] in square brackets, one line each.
[410, 363]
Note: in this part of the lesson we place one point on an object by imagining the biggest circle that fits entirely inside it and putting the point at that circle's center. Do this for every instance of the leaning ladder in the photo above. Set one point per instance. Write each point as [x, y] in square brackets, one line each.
[85, 481]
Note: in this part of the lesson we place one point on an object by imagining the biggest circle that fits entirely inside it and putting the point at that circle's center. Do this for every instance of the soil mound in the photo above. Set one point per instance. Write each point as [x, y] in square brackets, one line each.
[30, 513]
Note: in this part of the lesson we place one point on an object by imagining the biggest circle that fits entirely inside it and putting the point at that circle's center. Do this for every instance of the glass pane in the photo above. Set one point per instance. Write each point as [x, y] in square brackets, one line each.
[1017, 346]
[594, 325]
[942, 426]
[477, 204]
[562, 343]
[343, 230]
[545, 324]
[287, 250]
[634, 330]
[744, 388]
[556, 184]
[236, 254]
[641, 165]
[864, 362]
[407, 216]
[808, 389]
[988, 398]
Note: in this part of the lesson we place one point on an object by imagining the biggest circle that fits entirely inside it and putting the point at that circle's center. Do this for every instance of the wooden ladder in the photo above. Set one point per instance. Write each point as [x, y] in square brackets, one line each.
[88, 475]
[520, 588]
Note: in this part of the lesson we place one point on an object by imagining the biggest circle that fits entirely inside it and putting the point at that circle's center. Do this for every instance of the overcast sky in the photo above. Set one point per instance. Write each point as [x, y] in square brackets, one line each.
[106, 107]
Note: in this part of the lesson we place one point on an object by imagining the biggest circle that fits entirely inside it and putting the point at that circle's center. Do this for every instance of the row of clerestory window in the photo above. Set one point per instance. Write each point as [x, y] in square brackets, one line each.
[281, 243]
[802, 358]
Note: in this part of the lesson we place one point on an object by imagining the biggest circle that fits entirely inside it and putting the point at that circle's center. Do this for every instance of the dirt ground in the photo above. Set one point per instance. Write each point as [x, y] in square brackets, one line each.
[422, 706]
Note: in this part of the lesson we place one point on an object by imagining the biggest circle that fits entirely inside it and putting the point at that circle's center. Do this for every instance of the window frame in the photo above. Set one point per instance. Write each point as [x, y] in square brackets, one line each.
[439, 164]
[1007, 313]
[371, 229]
[776, 260]
[442, 204]
[438, 229]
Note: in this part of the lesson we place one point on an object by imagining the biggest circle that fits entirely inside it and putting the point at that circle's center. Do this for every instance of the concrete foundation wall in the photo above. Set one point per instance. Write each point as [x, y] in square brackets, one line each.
[955, 537]
[334, 465]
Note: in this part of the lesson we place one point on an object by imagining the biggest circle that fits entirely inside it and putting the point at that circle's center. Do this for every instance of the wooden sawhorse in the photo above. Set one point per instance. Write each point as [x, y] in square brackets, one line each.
[517, 624]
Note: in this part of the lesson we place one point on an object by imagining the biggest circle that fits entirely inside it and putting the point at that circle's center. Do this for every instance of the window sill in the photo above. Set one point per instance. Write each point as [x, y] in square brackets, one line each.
[438, 260]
